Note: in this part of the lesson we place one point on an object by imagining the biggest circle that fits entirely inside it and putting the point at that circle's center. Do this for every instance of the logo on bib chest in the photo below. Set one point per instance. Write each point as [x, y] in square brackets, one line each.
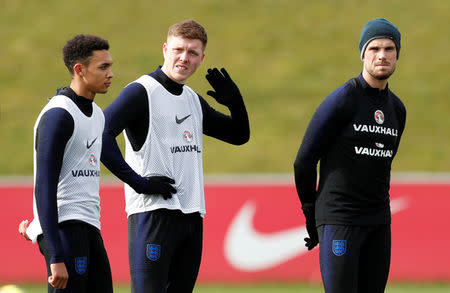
[92, 161]
[88, 145]
[187, 136]
[188, 148]
[181, 120]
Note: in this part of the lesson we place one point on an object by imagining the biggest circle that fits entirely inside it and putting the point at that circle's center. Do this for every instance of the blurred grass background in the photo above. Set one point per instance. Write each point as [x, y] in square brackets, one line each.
[285, 55]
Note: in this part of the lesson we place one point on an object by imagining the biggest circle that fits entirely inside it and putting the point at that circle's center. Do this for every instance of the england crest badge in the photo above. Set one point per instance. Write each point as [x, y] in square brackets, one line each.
[153, 251]
[81, 265]
[339, 247]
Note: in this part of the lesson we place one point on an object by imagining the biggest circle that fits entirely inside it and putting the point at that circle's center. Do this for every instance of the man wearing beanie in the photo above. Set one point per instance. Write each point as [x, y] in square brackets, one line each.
[355, 134]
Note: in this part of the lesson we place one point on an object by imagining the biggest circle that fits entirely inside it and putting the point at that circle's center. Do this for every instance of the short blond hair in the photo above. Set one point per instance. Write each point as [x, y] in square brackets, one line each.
[189, 29]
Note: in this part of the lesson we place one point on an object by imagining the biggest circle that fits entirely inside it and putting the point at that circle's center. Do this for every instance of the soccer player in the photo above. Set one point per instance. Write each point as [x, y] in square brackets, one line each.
[67, 148]
[355, 134]
[163, 121]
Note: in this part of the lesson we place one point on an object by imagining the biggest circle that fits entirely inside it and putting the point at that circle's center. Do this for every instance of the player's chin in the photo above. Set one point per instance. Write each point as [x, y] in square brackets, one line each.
[103, 90]
[185, 74]
[383, 75]
[181, 78]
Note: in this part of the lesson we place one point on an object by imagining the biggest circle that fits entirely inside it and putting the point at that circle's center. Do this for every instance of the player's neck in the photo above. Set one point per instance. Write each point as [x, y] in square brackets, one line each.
[373, 82]
[80, 89]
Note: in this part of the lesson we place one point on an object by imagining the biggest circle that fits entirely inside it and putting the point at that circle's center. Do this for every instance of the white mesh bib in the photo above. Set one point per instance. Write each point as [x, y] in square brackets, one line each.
[78, 186]
[173, 148]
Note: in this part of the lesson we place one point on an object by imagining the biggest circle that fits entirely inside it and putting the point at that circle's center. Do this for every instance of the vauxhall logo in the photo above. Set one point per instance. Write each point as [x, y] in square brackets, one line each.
[188, 137]
[380, 152]
[379, 116]
[375, 129]
[185, 149]
[86, 172]
[373, 152]
[379, 119]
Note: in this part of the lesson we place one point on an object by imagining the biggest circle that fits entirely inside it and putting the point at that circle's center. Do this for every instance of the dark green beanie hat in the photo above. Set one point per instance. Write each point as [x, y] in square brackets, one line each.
[376, 29]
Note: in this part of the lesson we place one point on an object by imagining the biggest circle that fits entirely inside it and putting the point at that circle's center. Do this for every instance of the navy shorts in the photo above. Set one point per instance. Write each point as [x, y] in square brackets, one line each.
[164, 249]
[355, 258]
[85, 258]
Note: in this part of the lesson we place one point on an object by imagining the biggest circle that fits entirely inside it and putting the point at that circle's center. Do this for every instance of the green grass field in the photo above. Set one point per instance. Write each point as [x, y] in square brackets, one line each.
[278, 288]
[285, 55]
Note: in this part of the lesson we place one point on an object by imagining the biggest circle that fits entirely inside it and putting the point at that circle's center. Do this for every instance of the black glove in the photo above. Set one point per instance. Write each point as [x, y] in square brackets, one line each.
[309, 212]
[225, 90]
[158, 185]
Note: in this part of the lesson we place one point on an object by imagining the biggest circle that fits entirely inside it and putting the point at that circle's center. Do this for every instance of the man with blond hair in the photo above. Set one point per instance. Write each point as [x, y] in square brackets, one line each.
[163, 121]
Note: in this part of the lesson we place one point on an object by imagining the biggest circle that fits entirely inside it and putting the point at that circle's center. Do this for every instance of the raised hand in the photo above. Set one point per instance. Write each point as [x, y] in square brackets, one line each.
[225, 90]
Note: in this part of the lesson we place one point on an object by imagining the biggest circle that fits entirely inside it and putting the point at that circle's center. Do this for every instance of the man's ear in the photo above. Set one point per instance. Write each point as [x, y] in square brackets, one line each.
[78, 69]
[164, 50]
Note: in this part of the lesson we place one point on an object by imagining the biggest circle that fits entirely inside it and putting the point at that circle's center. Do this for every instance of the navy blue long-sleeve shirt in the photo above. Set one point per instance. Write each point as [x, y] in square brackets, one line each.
[53, 132]
[129, 112]
[355, 134]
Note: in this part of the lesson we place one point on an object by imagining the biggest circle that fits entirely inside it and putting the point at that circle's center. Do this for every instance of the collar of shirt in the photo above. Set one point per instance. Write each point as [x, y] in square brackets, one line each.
[373, 92]
[170, 85]
[84, 104]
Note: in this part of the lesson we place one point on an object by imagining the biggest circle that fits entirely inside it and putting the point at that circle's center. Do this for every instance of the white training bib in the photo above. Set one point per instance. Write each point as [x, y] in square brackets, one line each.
[173, 148]
[78, 187]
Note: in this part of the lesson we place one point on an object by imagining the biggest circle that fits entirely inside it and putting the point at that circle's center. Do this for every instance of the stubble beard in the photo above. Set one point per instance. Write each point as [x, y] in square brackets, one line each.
[382, 75]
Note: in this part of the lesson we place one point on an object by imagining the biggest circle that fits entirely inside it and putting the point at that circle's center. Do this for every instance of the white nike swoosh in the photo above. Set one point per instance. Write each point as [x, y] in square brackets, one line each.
[249, 250]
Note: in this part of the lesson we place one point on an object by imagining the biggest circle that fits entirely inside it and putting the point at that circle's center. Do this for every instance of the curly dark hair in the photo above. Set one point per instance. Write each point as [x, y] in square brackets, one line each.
[80, 48]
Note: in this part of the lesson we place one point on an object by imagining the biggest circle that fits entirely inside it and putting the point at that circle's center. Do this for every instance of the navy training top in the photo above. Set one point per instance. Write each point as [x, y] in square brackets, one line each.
[355, 134]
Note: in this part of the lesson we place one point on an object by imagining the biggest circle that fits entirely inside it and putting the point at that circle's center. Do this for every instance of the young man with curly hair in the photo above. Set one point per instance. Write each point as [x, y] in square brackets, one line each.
[67, 148]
